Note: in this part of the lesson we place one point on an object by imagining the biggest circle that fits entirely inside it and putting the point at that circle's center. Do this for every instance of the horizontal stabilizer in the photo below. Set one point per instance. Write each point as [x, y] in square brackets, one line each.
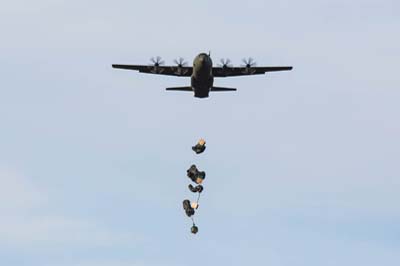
[222, 89]
[180, 89]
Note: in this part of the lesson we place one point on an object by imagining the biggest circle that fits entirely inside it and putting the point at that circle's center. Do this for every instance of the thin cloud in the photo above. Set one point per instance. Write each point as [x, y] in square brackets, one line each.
[28, 221]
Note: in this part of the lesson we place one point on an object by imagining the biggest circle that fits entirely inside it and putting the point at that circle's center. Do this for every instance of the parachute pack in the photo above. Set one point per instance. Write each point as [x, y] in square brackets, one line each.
[197, 177]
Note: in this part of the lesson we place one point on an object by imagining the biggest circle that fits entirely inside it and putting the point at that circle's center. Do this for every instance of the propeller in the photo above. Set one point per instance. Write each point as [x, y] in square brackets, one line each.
[249, 62]
[157, 61]
[225, 63]
[180, 62]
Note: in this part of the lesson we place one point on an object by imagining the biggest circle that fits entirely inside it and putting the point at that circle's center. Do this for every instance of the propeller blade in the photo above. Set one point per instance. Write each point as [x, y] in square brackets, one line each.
[225, 63]
[249, 62]
[180, 62]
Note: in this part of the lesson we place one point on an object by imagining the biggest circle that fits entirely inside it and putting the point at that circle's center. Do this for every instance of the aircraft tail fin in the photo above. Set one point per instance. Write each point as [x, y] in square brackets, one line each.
[180, 89]
[222, 89]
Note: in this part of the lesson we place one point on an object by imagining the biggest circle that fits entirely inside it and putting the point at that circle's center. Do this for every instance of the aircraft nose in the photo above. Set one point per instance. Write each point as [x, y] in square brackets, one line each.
[201, 62]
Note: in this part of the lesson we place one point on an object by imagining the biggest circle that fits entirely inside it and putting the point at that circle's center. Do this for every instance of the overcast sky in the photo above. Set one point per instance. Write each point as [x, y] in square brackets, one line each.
[302, 166]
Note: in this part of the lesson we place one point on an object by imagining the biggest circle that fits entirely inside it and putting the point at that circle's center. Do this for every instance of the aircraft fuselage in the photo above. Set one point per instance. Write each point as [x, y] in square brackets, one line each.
[202, 77]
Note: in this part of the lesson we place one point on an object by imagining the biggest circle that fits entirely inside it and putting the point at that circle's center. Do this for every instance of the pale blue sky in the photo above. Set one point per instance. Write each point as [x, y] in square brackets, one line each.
[302, 166]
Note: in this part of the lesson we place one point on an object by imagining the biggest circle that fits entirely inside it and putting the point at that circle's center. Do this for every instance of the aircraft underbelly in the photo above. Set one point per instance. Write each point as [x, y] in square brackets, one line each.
[201, 86]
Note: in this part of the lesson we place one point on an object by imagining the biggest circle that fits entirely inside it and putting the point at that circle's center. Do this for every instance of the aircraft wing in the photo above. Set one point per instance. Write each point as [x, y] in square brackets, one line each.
[159, 70]
[244, 71]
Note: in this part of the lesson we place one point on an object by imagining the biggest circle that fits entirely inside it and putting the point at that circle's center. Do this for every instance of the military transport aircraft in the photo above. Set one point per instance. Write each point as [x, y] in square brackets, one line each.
[202, 73]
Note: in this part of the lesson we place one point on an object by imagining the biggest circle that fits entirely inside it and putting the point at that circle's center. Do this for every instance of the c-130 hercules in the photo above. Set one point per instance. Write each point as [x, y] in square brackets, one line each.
[202, 73]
